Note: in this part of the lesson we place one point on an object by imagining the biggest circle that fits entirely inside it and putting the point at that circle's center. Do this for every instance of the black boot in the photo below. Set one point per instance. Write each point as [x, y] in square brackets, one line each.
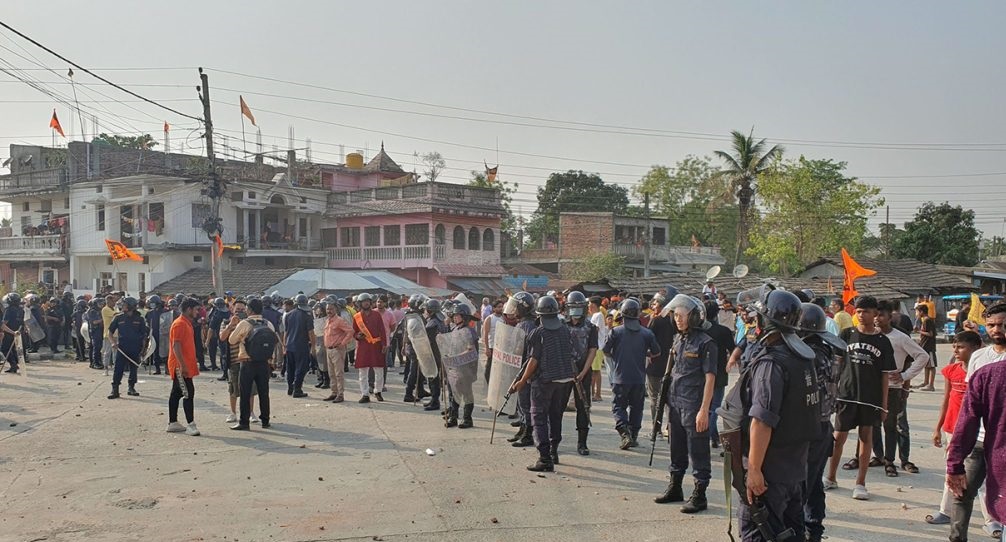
[132, 391]
[466, 421]
[520, 434]
[527, 439]
[673, 492]
[544, 464]
[634, 439]
[581, 442]
[452, 416]
[115, 392]
[697, 502]
[554, 453]
[289, 389]
[626, 441]
[298, 393]
[432, 406]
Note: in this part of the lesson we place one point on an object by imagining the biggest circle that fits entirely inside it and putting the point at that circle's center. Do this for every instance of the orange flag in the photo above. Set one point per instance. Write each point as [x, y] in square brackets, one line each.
[166, 126]
[246, 111]
[220, 245]
[118, 251]
[490, 172]
[853, 271]
[54, 124]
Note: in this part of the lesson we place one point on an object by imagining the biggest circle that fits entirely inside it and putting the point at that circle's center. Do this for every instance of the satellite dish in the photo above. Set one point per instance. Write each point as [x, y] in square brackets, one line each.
[741, 271]
[713, 272]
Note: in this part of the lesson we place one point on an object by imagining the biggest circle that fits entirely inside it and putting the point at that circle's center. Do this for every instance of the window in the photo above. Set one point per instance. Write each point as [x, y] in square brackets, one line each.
[47, 275]
[303, 227]
[372, 236]
[251, 195]
[459, 238]
[488, 240]
[474, 239]
[46, 206]
[417, 234]
[197, 259]
[200, 212]
[142, 281]
[155, 213]
[659, 236]
[100, 218]
[329, 237]
[97, 189]
[26, 207]
[109, 261]
[104, 279]
[440, 235]
[25, 223]
[393, 235]
[349, 237]
[66, 202]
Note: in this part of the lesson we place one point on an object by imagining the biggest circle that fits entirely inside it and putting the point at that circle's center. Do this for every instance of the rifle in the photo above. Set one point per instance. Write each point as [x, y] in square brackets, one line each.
[506, 398]
[578, 390]
[658, 420]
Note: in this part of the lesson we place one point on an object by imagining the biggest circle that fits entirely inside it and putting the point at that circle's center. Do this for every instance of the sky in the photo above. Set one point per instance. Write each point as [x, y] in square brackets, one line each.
[908, 93]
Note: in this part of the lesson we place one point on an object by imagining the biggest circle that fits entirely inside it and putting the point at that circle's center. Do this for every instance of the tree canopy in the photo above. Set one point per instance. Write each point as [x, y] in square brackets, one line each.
[602, 265]
[573, 191]
[142, 142]
[940, 234]
[506, 189]
[435, 164]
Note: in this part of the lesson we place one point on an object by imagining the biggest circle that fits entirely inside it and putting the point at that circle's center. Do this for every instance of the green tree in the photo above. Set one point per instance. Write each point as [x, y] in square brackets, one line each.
[506, 190]
[940, 234]
[143, 142]
[749, 159]
[809, 208]
[602, 265]
[573, 191]
[435, 164]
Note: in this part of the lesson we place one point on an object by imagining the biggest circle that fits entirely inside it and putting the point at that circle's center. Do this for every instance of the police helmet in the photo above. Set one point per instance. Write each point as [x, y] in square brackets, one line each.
[510, 308]
[630, 310]
[525, 304]
[547, 308]
[130, 303]
[97, 303]
[311, 303]
[220, 303]
[432, 306]
[331, 299]
[173, 303]
[460, 309]
[448, 307]
[365, 297]
[12, 298]
[813, 321]
[154, 301]
[300, 300]
[341, 303]
[696, 311]
[778, 311]
[576, 304]
[81, 304]
[229, 293]
[266, 301]
[276, 298]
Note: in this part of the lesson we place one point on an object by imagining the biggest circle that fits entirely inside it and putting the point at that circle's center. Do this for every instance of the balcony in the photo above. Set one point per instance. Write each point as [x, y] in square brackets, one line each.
[33, 248]
[298, 248]
[381, 257]
[415, 198]
[42, 180]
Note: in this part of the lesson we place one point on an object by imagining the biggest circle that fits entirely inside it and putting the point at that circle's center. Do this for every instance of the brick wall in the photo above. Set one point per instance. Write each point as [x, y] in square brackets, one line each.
[583, 235]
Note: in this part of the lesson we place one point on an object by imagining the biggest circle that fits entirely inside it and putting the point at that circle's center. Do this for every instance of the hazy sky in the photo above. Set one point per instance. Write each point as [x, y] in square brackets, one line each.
[908, 93]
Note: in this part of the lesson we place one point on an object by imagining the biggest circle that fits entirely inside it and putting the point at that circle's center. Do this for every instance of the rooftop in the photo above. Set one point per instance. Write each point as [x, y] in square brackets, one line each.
[243, 281]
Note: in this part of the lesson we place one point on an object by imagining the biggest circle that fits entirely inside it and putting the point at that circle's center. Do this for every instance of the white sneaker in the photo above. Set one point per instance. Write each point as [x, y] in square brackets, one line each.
[254, 419]
[860, 493]
[231, 418]
[829, 484]
[175, 427]
[191, 430]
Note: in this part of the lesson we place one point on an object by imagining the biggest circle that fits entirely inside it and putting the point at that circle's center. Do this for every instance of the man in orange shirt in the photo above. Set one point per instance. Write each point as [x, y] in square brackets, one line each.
[182, 368]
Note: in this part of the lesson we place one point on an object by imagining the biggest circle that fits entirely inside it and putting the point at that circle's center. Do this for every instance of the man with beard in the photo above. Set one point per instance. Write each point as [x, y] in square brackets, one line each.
[372, 345]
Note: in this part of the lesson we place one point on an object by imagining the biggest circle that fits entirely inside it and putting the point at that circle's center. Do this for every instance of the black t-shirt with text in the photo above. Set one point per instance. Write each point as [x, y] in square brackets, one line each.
[864, 370]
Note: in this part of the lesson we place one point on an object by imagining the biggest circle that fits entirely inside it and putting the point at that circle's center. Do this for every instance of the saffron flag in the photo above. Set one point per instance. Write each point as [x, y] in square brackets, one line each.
[246, 111]
[118, 251]
[490, 172]
[853, 271]
[977, 312]
[166, 126]
[54, 124]
[220, 245]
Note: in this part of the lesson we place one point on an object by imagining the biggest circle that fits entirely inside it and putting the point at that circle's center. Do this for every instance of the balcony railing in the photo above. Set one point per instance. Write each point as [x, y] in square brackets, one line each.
[663, 253]
[383, 254]
[442, 191]
[283, 246]
[39, 244]
[43, 179]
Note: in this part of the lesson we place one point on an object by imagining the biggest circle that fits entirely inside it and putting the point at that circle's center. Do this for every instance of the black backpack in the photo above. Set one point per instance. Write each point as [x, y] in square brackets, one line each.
[261, 341]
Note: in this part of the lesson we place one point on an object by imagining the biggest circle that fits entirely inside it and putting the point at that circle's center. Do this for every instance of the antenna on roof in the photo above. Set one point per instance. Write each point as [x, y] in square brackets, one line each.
[307, 152]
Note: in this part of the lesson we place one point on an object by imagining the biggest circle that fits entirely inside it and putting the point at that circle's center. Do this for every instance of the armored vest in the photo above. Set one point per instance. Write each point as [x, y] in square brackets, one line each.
[801, 406]
[827, 377]
[556, 353]
[579, 335]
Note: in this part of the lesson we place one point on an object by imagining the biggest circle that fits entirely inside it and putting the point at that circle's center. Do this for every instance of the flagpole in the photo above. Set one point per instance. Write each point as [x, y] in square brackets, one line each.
[244, 142]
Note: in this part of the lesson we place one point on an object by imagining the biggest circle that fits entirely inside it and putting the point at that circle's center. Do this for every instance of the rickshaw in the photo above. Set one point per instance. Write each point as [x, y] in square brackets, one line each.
[952, 305]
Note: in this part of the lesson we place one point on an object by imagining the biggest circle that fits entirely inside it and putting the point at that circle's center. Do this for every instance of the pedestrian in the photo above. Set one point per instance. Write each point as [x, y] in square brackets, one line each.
[842, 318]
[550, 370]
[320, 352]
[338, 332]
[107, 313]
[256, 340]
[662, 326]
[183, 368]
[692, 370]
[229, 354]
[597, 317]
[128, 334]
[12, 325]
[629, 345]
[895, 427]
[372, 341]
[862, 393]
[525, 305]
[723, 337]
[780, 399]
[584, 337]
[299, 341]
[927, 339]
[77, 320]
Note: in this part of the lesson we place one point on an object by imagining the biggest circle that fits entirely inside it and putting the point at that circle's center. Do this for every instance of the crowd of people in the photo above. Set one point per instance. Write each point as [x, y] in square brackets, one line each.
[810, 373]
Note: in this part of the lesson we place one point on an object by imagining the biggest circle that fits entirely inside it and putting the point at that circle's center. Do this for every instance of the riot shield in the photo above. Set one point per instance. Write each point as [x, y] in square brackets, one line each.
[85, 332]
[21, 354]
[460, 357]
[34, 329]
[166, 319]
[151, 346]
[415, 329]
[508, 352]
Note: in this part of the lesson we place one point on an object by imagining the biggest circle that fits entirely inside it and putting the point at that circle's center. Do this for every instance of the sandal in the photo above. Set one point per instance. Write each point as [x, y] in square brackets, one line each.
[992, 531]
[852, 464]
[891, 471]
[874, 462]
[908, 466]
[939, 518]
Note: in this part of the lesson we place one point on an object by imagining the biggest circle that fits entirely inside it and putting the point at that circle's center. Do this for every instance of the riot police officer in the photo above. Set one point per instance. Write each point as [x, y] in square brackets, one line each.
[435, 325]
[95, 328]
[12, 324]
[525, 303]
[128, 333]
[219, 314]
[76, 320]
[414, 387]
[585, 345]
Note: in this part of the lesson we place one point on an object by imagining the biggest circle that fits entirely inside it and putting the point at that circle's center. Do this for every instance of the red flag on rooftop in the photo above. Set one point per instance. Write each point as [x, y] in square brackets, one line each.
[246, 111]
[54, 124]
[853, 271]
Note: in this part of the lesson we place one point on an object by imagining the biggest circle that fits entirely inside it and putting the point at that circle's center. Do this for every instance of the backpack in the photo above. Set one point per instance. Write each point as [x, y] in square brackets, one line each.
[261, 341]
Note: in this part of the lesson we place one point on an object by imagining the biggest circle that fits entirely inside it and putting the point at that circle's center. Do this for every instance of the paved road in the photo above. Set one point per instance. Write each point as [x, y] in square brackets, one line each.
[76, 466]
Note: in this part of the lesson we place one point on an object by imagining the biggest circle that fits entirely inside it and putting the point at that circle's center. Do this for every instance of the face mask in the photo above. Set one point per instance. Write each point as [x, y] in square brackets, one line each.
[241, 315]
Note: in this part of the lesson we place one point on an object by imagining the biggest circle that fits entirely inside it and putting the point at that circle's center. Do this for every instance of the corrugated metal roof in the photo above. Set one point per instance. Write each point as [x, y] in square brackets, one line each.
[310, 281]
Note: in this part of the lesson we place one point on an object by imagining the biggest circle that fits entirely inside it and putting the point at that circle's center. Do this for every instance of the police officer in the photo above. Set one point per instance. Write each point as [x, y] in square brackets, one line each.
[693, 368]
[414, 387]
[77, 320]
[218, 315]
[275, 318]
[95, 328]
[13, 323]
[435, 325]
[584, 335]
[629, 346]
[780, 397]
[53, 319]
[155, 308]
[299, 340]
[128, 333]
[550, 369]
[826, 346]
[525, 303]
[663, 329]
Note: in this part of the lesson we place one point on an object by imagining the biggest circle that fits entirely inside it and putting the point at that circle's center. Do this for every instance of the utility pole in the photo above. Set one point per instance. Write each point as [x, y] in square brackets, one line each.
[646, 236]
[215, 189]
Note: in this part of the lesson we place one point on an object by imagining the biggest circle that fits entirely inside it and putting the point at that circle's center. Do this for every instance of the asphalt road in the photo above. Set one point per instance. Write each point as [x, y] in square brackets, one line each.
[76, 466]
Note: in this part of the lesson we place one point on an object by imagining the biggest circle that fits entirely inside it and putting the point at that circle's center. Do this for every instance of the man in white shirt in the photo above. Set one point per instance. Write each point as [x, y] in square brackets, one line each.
[896, 432]
[597, 318]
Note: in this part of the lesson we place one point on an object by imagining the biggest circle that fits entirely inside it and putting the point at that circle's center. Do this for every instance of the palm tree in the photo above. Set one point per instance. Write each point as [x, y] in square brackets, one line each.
[748, 159]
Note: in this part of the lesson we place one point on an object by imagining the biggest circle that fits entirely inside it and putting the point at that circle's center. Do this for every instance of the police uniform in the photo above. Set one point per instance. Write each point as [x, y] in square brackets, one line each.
[95, 328]
[434, 327]
[584, 338]
[414, 376]
[13, 318]
[525, 437]
[694, 357]
[550, 387]
[153, 318]
[131, 330]
[216, 350]
[53, 326]
[77, 320]
[824, 444]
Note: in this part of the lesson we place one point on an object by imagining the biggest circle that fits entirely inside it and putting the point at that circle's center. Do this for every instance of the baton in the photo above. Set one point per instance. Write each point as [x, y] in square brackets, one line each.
[125, 355]
[4, 362]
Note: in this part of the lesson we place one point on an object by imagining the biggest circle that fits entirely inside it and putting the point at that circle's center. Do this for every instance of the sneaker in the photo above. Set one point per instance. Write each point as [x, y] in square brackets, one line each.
[175, 427]
[231, 418]
[829, 484]
[254, 419]
[860, 493]
[191, 430]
